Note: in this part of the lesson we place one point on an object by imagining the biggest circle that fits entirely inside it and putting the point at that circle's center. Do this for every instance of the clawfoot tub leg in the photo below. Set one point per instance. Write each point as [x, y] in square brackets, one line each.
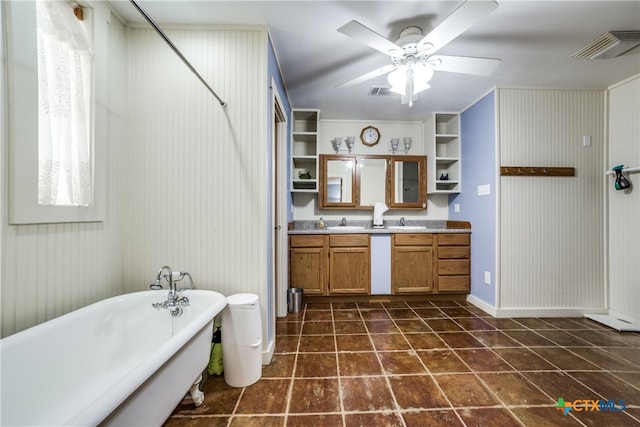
[196, 395]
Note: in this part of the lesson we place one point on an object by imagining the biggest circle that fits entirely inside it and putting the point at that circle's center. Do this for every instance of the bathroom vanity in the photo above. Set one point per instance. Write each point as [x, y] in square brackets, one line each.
[412, 260]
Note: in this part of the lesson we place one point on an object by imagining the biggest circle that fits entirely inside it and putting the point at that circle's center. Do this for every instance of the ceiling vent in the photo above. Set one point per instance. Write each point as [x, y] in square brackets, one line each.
[610, 45]
[380, 91]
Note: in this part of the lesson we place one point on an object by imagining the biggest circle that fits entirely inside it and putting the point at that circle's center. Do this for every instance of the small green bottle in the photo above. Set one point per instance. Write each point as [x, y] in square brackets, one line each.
[215, 359]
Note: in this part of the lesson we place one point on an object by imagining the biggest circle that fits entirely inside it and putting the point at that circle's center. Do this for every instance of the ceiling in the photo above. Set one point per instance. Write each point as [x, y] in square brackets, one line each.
[534, 39]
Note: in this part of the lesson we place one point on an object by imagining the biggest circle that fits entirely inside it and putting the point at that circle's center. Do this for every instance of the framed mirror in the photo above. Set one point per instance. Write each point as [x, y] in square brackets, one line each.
[357, 182]
[408, 182]
[372, 179]
[337, 181]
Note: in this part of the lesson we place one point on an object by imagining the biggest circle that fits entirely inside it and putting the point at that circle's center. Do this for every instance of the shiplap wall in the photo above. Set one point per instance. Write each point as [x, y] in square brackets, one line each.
[196, 198]
[624, 205]
[51, 269]
[551, 232]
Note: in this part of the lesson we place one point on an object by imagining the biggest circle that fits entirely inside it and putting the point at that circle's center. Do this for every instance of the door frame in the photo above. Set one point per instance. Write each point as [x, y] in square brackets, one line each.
[279, 245]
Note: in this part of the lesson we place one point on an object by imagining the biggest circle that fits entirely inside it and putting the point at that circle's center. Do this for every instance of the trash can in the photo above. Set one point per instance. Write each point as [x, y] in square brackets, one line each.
[294, 300]
[242, 340]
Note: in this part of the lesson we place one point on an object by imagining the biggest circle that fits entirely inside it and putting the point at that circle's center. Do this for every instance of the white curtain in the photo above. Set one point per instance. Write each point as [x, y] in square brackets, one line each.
[65, 61]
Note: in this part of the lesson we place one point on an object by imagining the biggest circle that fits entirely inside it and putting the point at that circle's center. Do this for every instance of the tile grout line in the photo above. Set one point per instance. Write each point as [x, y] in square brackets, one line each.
[335, 346]
[397, 407]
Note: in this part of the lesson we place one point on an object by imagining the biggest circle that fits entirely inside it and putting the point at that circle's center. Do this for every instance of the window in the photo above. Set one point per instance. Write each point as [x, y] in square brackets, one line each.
[65, 84]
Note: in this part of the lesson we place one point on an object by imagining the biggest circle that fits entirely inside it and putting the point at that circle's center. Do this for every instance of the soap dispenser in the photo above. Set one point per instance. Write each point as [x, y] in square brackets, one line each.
[321, 223]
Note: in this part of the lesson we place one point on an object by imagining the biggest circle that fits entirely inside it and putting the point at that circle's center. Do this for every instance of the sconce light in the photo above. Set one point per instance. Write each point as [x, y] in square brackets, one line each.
[337, 143]
[351, 140]
[407, 143]
[394, 144]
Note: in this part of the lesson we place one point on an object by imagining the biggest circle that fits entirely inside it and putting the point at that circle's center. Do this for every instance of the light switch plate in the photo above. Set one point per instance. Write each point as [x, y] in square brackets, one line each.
[456, 207]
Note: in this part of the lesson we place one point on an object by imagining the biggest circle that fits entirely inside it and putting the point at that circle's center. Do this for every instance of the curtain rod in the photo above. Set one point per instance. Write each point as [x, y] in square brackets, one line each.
[176, 50]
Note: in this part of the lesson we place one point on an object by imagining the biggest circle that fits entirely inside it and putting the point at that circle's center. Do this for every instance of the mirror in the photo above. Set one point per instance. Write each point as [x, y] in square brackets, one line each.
[372, 177]
[357, 182]
[337, 176]
[408, 187]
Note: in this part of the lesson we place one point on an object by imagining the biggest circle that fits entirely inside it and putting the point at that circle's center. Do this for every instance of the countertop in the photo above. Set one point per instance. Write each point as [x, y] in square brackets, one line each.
[431, 226]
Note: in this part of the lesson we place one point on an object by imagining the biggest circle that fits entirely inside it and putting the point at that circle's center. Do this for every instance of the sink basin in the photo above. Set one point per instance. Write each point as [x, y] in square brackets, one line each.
[346, 227]
[407, 227]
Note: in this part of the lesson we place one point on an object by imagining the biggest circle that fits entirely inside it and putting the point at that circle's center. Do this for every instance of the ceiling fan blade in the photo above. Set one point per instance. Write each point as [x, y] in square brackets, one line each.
[464, 64]
[460, 20]
[365, 35]
[375, 73]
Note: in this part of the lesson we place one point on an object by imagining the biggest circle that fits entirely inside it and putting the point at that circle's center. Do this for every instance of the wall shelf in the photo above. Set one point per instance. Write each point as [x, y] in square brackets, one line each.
[304, 150]
[443, 130]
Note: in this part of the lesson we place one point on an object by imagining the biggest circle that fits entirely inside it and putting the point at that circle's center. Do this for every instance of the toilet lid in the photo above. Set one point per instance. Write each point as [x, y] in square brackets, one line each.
[242, 299]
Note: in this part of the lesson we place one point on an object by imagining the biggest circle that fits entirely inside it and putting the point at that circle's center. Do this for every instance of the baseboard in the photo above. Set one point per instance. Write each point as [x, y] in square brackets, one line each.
[267, 354]
[546, 312]
[532, 312]
[482, 305]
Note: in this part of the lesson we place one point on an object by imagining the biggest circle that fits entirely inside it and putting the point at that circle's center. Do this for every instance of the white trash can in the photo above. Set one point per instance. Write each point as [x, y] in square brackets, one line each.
[242, 340]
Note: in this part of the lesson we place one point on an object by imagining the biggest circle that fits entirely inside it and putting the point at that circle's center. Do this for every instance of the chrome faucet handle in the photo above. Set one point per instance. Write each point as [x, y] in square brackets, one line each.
[344, 221]
[402, 221]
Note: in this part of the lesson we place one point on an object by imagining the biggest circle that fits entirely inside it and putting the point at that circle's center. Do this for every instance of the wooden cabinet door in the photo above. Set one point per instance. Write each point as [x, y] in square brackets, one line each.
[349, 270]
[412, 269]
[306, 270]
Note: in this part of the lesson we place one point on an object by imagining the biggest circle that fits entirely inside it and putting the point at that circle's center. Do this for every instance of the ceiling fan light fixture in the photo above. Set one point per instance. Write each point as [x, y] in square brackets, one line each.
[410, 80]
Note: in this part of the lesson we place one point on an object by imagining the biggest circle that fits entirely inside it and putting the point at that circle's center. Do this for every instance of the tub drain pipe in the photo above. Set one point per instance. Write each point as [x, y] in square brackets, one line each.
[175, 49]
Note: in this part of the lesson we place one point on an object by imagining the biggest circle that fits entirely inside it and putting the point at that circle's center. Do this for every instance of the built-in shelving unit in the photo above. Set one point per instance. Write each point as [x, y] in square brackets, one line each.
[304, 150]
[443, 129]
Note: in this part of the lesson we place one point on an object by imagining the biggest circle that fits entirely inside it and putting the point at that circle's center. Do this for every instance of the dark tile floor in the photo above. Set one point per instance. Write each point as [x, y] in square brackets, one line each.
[438, 363]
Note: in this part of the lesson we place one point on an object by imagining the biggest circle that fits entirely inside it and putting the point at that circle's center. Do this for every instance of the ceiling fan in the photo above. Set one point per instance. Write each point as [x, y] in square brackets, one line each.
[412, 55]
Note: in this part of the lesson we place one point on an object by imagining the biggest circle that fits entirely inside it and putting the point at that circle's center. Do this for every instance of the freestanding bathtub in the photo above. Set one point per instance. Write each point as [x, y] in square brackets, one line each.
[116, 362]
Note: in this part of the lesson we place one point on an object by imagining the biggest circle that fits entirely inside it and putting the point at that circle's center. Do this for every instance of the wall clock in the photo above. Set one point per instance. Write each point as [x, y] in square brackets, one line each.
[370, 136]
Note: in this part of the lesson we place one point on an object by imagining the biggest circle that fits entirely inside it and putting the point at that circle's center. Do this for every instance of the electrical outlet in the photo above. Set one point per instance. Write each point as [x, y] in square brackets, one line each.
[487, 278]
[484, 190]
[456, 207]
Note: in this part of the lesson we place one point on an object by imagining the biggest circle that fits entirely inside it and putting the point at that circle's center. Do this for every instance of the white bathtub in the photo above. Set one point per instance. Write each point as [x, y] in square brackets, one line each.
[116, 362]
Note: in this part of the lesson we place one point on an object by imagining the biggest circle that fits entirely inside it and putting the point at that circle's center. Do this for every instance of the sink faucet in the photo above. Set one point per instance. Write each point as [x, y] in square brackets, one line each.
[174, 301]
[402, 221]
[344, 221]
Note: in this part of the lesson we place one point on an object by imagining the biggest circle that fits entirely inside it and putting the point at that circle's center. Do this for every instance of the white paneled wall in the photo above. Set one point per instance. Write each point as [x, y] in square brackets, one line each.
[329, 129]
[624, 205]
[51, 269]
[305, 205]
[551, 233]
[197, 173]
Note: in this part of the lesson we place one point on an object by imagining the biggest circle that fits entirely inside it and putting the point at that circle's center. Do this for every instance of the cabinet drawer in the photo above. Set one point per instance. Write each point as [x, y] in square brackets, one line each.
[349, 240]
[306, 241]
[453, 239]
[413, 239]
[453, 284]
[453, 267]
[453, 252]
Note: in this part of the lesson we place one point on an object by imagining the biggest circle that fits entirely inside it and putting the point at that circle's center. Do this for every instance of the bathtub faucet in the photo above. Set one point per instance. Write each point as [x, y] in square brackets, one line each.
[174, 301]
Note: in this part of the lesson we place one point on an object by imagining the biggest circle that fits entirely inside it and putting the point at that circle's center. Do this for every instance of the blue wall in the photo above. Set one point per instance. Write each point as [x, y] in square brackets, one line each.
[478, 145]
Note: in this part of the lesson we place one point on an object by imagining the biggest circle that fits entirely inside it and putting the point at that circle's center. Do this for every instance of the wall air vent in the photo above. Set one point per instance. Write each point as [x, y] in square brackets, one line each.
[380, 91]
[610, 45]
